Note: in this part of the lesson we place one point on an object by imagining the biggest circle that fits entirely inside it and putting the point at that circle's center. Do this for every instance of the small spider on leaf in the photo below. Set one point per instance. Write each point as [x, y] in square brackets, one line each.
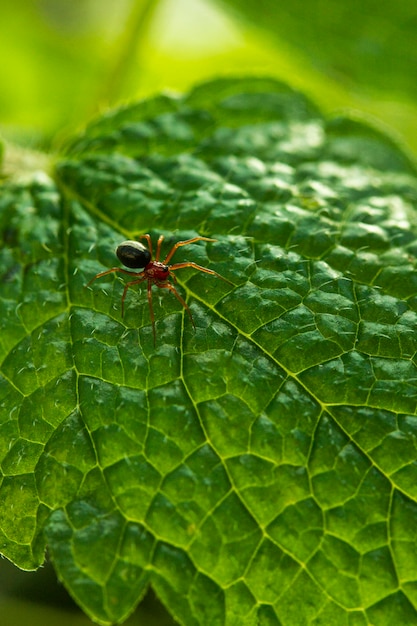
[135, 255]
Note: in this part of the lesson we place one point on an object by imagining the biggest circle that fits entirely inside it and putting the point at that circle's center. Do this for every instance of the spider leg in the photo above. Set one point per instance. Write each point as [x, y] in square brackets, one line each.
[127, 285]
[158, 247]
[149, 242]
[178, 266]
[184, 243]
[113, 269]
[178, 297]
[151, 310]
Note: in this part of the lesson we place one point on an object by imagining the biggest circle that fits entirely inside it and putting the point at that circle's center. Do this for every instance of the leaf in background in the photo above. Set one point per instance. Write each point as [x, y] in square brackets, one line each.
[358, 42]
[260, 470]
[352, 54]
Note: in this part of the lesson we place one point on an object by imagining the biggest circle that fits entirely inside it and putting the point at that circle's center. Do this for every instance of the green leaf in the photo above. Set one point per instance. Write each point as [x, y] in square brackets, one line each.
[351, 42]
[259, 469]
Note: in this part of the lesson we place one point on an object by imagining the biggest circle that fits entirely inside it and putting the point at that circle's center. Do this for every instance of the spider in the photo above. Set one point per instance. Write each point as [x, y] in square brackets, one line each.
[135, 255]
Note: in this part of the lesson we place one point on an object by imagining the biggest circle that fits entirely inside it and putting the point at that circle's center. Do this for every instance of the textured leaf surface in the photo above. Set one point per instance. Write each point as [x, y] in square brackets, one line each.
[262, 469]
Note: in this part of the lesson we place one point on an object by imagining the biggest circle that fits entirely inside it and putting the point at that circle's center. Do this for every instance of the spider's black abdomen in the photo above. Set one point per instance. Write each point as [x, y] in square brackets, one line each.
[133, 254]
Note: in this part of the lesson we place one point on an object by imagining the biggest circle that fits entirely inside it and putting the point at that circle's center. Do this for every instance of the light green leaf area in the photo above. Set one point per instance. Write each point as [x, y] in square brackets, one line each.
[260, 469]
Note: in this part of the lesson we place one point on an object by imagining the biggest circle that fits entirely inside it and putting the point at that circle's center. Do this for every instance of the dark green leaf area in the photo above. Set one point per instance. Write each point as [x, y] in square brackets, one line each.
[107, 572]
[388, 438]
[31, 259]
[37, 381]
[259, 468]
[21, 521]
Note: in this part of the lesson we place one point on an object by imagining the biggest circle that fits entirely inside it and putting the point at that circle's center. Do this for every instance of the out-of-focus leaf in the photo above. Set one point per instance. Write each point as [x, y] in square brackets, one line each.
[360, 43]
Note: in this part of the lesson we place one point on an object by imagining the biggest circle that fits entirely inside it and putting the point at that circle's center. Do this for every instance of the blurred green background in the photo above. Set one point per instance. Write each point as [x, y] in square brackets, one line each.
[64, 61]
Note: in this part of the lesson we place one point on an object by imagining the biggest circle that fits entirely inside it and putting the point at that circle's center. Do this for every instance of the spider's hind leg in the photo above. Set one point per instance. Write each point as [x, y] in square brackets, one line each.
[113, 270]
[130, 284]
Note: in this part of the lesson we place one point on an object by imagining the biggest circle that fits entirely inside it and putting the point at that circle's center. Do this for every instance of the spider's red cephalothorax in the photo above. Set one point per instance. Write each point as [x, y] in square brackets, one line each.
[135, 255]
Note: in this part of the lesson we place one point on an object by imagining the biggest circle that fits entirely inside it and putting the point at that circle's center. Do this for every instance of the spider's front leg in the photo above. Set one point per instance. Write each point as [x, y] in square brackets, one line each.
[183, 243]
[158, 245]
[149, 242]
